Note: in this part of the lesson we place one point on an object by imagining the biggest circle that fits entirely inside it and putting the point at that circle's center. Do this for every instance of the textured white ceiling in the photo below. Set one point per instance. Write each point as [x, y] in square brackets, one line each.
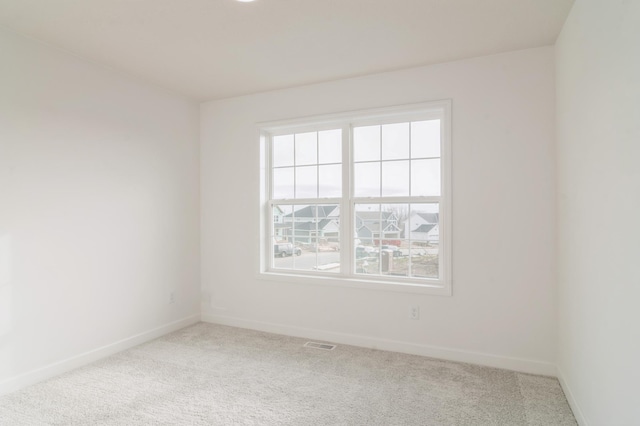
[208, 49]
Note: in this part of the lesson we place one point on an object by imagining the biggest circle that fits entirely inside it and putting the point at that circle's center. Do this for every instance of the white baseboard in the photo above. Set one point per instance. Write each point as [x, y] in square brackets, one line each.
[507, 363]
[577, 411]
[34, 376]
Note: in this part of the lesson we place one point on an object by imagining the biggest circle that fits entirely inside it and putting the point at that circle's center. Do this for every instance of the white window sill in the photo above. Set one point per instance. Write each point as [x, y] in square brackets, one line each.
[433, 287]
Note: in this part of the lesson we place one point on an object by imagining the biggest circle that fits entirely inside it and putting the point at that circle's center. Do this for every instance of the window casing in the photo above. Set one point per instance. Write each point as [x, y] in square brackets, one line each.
[359, 199]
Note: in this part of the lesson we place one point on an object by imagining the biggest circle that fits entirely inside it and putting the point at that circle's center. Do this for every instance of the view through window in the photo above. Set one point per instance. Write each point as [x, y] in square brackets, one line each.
[359, 200]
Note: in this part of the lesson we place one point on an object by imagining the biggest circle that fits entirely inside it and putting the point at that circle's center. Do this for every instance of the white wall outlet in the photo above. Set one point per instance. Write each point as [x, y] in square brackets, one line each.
[414, 312]
[172, 297]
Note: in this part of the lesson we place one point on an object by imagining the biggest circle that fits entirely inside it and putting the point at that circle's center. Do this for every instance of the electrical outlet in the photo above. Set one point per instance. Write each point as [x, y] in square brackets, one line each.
[172, 297]
[414, 313]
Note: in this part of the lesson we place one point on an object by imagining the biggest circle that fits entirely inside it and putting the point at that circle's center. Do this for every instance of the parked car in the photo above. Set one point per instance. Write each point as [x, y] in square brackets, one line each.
[393, 249]
[365, 251]
[286, 249]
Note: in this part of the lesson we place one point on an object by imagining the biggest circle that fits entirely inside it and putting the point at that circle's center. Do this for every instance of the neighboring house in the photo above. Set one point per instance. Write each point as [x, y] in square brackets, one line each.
[278, 214]
[423, 226]
[281, 232]
[279, 227]
[326, 230]
[425, 232]
[371, 227]
[314, 213]
[313, 224]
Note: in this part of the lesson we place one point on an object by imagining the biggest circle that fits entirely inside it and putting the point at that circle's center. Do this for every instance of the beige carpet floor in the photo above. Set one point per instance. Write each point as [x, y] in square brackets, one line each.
[215, 375]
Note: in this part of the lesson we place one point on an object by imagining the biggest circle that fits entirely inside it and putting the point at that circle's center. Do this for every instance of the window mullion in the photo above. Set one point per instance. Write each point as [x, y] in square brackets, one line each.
[411, 162]
[315, 239]
[380, 231]
[346, 224]
[271, 235]
[295, 169]
[380, 163]
[317, 165]
[407, 236]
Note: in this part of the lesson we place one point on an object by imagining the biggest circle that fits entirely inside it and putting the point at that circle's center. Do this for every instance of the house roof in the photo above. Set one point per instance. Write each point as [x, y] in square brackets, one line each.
[430, 217]
[391, 227]
[426, 227]
[309, 226]
[371, 216]
[315, 211]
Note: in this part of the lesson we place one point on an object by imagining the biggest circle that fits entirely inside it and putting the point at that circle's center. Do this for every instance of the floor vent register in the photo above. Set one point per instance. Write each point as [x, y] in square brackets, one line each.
[323, 346]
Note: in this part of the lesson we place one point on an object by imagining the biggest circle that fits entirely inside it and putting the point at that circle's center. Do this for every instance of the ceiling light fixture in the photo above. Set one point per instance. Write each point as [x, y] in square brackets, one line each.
[245, 1]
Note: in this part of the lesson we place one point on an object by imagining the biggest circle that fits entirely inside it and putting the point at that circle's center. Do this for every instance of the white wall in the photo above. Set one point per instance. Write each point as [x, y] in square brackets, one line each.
[598, 87]
[503, 309]
[99, 210]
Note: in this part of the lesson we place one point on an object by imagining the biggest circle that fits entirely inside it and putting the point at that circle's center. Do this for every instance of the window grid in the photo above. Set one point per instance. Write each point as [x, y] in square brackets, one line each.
[347, 203]
[296, 166]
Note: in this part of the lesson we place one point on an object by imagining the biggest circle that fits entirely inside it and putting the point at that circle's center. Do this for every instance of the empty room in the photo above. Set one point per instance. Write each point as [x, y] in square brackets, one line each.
[303, 212]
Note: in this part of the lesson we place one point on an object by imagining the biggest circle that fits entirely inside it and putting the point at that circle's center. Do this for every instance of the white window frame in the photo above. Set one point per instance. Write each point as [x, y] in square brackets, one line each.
[346, 121]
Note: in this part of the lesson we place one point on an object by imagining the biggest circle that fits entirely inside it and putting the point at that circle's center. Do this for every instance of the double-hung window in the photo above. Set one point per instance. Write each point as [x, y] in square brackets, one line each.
[361, 198]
